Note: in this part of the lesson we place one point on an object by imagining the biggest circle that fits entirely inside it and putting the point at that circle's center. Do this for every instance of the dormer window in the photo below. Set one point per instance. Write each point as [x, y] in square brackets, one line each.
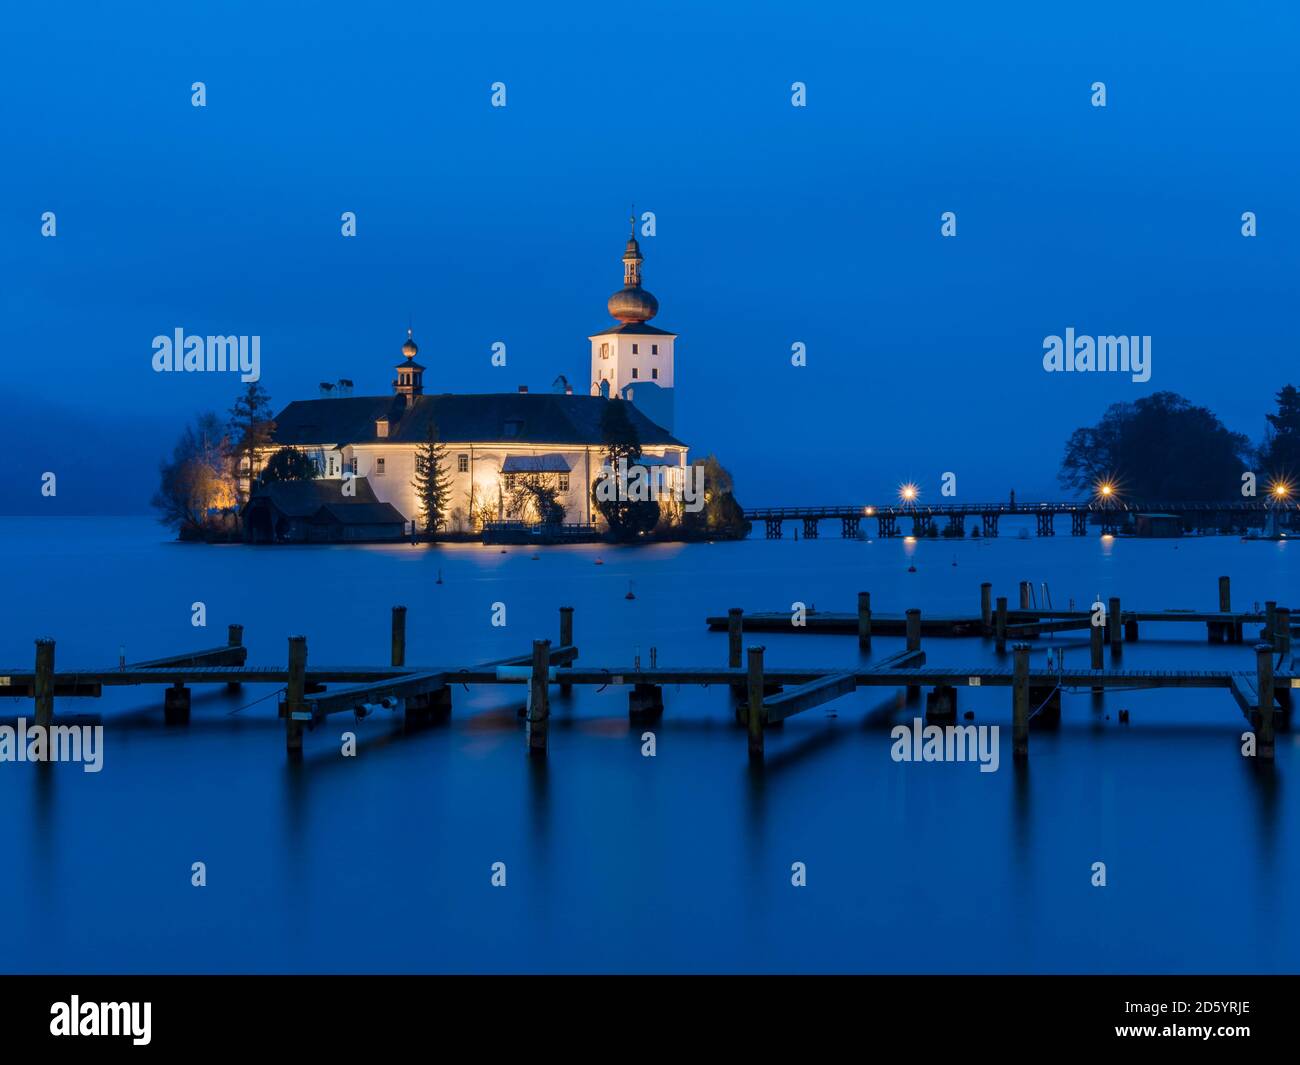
[381, 427]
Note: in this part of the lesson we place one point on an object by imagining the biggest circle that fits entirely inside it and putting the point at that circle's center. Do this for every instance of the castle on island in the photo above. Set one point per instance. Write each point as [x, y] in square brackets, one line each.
[364, 448]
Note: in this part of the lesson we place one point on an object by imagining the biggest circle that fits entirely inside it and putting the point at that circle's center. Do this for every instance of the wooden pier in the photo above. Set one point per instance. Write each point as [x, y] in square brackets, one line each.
[767, 695]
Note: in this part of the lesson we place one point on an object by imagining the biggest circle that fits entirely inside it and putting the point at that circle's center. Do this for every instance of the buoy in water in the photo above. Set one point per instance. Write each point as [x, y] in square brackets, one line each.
[599, 562]
[630, 593]
[911, 568]
[439, 580]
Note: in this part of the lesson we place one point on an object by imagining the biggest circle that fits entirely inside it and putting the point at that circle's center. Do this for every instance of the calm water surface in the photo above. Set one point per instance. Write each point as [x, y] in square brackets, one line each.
[617, 862]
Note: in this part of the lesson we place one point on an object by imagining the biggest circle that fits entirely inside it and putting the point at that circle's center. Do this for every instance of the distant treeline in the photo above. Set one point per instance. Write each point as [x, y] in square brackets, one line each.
[1163, 447]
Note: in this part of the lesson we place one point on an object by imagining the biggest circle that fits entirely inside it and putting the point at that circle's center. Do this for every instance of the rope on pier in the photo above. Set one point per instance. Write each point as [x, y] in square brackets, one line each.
[263, 699]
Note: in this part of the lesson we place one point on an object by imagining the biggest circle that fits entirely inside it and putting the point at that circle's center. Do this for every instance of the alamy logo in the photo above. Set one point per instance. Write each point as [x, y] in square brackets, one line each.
[1102, 354]
[637, 484]
[193, 354]
[102, 1018]
[919, 742]
[56, 743]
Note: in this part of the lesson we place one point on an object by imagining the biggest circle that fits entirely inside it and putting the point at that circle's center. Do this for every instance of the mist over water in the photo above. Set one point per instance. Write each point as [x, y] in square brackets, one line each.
[617, 862]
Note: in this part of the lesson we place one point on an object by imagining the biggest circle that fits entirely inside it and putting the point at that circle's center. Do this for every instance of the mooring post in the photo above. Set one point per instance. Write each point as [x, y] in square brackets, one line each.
[864, 619]
[1282, 630]
[986, 607]
[1024, 595]
[1020, 703]
[1115, 626]
[1264, 685]
[913, 644]
[1095, 647]
[1270, 620]
[399, 635]
[735, 633]
[1001, 630]
[1225, 594]
[43, 688]
[234, 638]
[566, 638]
[176, 705]
[754, 711]
[295, 695]
[538, 708]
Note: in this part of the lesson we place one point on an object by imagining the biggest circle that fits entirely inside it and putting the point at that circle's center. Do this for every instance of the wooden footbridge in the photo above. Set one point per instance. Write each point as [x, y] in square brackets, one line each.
[766, 695]
[1110, 515]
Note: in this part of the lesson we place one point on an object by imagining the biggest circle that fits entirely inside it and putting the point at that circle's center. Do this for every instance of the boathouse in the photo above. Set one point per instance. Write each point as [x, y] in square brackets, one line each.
[311, 512]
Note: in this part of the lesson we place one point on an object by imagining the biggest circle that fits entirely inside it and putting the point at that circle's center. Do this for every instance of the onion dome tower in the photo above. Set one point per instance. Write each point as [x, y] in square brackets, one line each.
[410, 374]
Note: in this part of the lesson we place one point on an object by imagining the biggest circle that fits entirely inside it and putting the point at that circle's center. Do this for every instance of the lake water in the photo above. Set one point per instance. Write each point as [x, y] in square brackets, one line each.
[615, 861]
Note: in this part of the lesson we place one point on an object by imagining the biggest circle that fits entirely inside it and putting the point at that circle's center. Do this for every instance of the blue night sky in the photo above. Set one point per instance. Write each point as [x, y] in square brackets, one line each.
[775, 224]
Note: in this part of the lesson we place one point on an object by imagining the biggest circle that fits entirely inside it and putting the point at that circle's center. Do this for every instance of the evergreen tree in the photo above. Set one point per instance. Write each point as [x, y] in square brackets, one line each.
[250, 427]
[432, 482]
[288, 464]
[1280, 455]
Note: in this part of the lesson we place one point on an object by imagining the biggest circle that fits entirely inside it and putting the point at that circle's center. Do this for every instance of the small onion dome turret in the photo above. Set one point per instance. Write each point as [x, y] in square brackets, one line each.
[409, 349]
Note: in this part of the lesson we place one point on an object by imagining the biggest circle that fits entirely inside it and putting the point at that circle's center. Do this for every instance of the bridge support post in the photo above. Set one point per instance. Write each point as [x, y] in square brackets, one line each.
[850, 528]
[399, 636]
[645, 702]
[1131, 630]
[1020, 703]
[754, 711]
[539, 710]
[1000, 628]
[986, 607]
[864, 620]
[990, 523]
[43, 683]
[1264, 685]
[773, 527]
[234, 638]
[176, 705]
[810, 528]
[294, 695]
[1115, 627]
[566, 638]
[1079, 523]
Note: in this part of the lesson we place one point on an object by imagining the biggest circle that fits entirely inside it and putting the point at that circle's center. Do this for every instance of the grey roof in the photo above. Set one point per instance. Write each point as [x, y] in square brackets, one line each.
[642, 328]
[535, 464]
[522, 417]
[302, 499]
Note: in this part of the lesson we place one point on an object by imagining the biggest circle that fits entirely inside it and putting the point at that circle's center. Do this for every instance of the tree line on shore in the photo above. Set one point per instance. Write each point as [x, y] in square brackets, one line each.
[1164, 447]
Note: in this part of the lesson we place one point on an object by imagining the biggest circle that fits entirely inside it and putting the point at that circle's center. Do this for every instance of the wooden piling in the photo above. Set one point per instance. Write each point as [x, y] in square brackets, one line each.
[1264, 685]
[1000, 629]
[735, 633]
[566, 638]
[914, 629]
[176, 705]
[1270, 620]
[44, 683]
[864, 619]
[539, 710]
[399, 635]
[234, 638]
[1115, 626]
[294, 695]
[1282, 630]
[1024, 595]
[755, 711]
[1225, 594]
[1020, 703]
[986, 607]
[1095, 649]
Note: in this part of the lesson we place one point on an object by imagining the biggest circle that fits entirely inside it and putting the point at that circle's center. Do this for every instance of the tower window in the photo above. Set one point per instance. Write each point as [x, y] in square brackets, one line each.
[633, 349]
[604, 351]
[462, 464]
[654, 349]
[634, 373]
[654, 374]
[379, 467]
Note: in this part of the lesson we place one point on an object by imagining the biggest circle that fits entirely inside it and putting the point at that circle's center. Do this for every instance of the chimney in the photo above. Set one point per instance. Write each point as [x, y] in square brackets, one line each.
[523, 388]
[568, 390]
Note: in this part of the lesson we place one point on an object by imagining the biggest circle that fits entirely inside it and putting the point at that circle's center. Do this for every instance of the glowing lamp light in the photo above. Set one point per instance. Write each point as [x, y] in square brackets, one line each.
[1105, 489]
[869, 511]
[908, 493]
[1280, 490]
